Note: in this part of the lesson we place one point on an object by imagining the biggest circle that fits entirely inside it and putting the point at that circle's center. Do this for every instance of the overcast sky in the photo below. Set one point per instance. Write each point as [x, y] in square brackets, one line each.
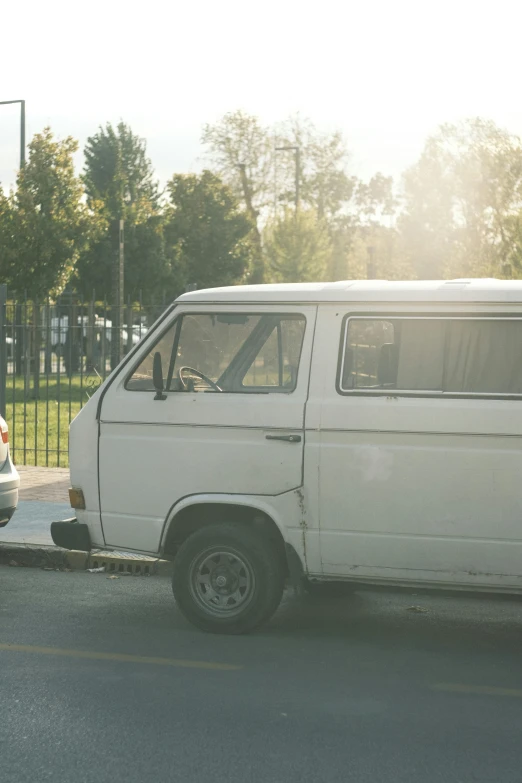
[386, 72]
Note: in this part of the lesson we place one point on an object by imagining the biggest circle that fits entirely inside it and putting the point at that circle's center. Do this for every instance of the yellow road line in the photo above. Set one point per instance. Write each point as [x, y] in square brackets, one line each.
[101, 656]
[485, 690]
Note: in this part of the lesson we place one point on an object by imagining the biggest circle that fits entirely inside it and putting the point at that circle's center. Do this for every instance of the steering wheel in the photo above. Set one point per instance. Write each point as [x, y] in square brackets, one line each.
[198, 374]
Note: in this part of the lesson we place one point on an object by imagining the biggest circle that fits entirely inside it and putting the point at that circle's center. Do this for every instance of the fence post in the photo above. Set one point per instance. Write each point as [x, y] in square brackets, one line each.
[3, 348]
[27, 355]
[90, 363]
[115, 335]
[48, 366]
[71, 358]
[18, 334]
[37, 340]
[130, 327]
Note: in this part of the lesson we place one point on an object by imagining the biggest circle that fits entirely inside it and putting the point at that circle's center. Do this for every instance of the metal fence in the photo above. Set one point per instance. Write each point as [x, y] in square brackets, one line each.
[53, 356]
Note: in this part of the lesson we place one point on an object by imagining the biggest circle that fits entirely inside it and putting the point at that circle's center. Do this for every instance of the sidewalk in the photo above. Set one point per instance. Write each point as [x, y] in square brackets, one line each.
[48, 485]
[43, 499]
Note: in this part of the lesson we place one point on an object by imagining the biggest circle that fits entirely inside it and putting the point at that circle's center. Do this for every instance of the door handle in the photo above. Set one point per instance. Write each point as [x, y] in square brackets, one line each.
[287, 438]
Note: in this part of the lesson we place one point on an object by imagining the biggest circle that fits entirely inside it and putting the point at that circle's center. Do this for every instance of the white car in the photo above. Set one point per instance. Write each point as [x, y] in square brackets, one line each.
[9, 478]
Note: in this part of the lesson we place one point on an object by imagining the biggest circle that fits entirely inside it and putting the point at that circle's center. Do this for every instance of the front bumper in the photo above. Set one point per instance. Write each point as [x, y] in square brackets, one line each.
[71, 534]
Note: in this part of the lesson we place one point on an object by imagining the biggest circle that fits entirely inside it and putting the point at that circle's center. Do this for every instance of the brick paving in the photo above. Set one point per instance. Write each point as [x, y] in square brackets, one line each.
[48, 485]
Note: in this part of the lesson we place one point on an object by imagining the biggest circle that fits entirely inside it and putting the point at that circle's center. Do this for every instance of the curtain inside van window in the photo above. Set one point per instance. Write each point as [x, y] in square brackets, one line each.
[484, 357]
[421, 355]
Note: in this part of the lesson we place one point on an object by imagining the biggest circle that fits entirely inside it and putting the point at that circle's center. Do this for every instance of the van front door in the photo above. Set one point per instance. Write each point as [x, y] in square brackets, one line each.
[231, 421]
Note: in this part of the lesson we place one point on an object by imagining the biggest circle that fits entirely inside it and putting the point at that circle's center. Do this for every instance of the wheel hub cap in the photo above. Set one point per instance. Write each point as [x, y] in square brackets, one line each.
[222, 582]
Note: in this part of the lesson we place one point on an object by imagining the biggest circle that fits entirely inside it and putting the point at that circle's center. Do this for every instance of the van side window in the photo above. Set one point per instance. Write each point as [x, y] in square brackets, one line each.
[439, 355]
[228, 352]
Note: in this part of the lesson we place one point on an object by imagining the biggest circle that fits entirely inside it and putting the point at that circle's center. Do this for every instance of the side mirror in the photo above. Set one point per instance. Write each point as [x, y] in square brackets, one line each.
[157, 377]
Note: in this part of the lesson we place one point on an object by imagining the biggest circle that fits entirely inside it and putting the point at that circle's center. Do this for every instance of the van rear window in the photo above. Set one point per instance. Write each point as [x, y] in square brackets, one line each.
[444, 355]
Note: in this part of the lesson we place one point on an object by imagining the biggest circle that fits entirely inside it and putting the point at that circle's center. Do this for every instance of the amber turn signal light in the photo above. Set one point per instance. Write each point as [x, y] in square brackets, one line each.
[76, 497]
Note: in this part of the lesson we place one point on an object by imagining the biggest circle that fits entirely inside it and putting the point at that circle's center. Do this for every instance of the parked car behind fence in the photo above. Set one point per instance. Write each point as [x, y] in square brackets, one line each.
[75, 342]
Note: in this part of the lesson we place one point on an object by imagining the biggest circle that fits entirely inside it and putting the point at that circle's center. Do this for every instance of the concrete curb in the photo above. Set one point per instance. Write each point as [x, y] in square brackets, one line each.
[32, 555]
[40, 556]
[76, 559]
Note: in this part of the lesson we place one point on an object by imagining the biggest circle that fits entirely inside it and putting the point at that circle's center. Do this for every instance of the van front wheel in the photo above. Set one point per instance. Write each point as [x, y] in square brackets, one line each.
[228, 579]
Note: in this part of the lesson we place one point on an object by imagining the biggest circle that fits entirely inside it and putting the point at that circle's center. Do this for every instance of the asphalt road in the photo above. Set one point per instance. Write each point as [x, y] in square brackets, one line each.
[102, 680]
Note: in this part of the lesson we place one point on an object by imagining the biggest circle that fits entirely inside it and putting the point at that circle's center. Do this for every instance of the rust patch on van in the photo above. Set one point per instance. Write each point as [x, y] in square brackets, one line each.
[302, 522]
[300, 499]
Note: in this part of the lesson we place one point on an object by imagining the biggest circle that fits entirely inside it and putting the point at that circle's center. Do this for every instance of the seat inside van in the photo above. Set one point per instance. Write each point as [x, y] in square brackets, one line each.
[388, 365]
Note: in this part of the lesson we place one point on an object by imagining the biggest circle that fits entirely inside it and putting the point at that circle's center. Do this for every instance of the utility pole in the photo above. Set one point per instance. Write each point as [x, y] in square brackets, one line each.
[22, 128]
[22, 134]
[297, 152]
[118, 272]
[121, 293]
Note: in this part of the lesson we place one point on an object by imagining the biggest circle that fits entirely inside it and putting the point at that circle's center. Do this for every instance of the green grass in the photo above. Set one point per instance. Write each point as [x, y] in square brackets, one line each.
[39, 428]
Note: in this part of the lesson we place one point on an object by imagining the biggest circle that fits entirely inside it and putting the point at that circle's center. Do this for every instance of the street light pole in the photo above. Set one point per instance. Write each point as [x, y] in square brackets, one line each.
[121, 293]
[118, 273]
[22, 134]
[22, 129]
[297, 152]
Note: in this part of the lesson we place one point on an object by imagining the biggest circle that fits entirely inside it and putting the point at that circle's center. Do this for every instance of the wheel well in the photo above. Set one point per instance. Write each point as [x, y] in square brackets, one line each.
[200, 515]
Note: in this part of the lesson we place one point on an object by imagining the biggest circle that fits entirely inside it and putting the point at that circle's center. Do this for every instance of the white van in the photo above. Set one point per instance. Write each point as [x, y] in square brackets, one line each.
[365, 431]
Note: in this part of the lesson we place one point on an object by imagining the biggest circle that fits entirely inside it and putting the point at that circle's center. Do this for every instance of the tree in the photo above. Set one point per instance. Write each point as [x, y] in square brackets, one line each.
[375, 201]
[119, 176]
[342, 234]
[377, 251]
[325, 185]
[207, 235]
[119, 173]
[243, 152]
[8, 235]
[375, 245]
[464, 203]
[238, 139]
[45, 224]
[240, 151]
[297, 248]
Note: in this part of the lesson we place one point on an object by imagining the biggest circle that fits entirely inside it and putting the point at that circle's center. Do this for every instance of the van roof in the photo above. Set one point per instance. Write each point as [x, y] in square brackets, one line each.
[463, 290]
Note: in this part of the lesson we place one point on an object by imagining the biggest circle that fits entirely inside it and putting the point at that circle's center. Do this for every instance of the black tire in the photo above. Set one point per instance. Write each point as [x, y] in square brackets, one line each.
[247, 561]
